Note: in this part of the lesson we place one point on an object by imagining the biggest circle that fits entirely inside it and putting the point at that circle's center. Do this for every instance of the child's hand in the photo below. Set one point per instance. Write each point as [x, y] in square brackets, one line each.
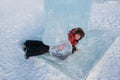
[74, 49]
[61, 47]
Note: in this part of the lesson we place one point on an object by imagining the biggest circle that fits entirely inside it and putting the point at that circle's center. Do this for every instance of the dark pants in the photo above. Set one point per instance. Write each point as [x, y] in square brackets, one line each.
[35, 48]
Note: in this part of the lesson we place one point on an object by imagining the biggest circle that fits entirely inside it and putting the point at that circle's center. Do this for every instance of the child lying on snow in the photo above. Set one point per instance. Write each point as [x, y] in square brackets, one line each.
[34, 48]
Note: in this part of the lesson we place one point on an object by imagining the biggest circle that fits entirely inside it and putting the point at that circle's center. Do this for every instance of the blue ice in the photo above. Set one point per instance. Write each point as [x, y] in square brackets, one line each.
[60, 17]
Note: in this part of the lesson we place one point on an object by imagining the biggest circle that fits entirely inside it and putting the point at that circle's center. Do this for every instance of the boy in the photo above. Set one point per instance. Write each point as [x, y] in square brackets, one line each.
[34, 48]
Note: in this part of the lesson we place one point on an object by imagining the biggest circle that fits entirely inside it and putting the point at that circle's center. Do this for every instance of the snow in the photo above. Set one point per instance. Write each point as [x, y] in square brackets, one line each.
[107, 16]
[21, 20]
[108, 67]
[24, 19]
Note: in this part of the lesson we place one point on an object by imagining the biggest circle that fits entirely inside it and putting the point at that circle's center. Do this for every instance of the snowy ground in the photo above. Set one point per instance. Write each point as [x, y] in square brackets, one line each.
[108, 67]
[107, 16]
[20, 21]
[17, 23]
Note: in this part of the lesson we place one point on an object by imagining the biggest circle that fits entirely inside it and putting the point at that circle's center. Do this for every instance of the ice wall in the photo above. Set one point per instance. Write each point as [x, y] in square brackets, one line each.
[61, 16]
[101, 32]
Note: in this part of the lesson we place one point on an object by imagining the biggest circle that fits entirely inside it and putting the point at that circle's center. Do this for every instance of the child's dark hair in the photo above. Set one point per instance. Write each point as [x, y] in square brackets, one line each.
[80, 32]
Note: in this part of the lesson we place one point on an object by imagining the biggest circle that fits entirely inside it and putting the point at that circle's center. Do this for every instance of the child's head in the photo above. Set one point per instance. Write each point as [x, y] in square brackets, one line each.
[77, 37]
[74, 36]
[79, 33]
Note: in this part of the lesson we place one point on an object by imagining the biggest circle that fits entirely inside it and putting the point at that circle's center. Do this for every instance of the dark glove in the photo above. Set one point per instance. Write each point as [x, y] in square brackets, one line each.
[74, 49]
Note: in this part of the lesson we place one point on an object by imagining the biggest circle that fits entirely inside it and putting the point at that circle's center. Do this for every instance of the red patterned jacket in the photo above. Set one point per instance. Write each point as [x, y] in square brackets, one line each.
[71, 38]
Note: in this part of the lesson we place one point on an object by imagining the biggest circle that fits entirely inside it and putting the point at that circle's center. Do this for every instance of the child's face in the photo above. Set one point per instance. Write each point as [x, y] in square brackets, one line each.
[77, 36]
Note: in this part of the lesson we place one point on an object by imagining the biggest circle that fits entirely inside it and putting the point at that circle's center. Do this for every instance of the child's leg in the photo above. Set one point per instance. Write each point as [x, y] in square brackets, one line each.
[34, 51]
[31, 43]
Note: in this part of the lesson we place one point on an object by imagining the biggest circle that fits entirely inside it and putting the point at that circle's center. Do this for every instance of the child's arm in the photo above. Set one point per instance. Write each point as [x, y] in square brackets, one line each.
[59, 47]
[61, 51]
